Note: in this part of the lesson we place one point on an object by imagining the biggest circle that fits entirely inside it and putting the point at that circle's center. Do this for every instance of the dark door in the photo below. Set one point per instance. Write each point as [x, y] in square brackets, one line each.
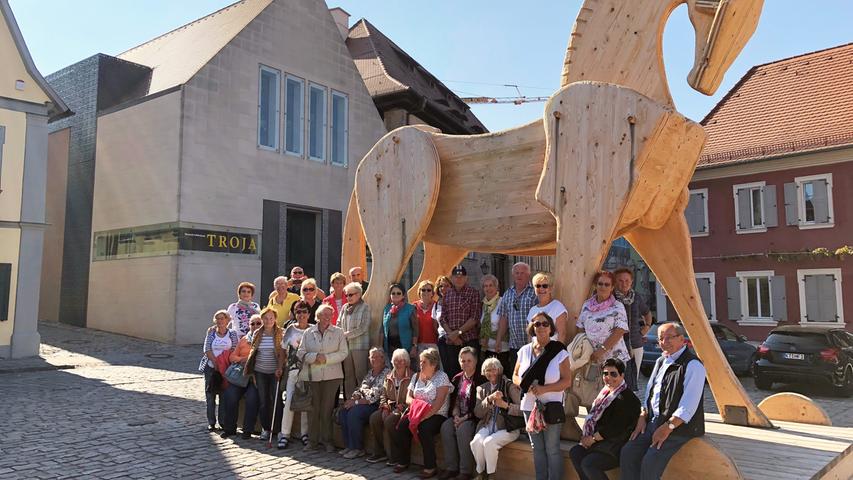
[303, 241]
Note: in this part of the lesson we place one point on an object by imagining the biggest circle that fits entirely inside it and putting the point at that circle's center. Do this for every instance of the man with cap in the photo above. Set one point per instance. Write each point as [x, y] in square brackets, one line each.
[461, 309]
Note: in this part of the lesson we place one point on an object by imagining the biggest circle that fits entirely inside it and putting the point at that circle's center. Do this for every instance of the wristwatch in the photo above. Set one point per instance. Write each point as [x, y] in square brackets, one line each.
[459, 333]
[670, 425]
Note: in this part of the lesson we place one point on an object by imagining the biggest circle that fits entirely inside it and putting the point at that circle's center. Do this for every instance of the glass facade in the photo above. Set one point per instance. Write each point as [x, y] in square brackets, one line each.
[169, 239]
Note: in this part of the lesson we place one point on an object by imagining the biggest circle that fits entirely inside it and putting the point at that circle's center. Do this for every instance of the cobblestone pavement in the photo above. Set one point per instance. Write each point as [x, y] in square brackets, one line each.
[97, 405]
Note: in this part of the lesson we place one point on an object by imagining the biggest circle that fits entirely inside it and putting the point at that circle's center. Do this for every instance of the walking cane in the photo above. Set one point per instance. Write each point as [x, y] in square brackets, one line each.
[274, 405]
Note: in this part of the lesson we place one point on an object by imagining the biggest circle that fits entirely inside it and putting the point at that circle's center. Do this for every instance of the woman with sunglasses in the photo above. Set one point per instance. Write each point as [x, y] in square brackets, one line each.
[308, 290]
[543, 374]
[243, 309]
[354, 320]
[611, 419]
[292, 339]
[399, 322]
[604, 321]
[545, 302]
[234, 393]
[427, 324]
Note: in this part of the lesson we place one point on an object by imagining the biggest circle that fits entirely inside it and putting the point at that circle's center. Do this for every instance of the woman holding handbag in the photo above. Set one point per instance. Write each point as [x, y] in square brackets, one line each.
[499, 411]
[292, 338]
[391, 407]
[235, 392]
[218, 341]
[543, 374]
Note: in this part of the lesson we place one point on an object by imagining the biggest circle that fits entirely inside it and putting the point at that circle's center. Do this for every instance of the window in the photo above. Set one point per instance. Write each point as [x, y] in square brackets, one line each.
[705, 282]
[294, 115]
[5, 290]
[820, 296]
[340, 126]
[808, 202]
[316, 122]
[696, 213]
[268, 108]
[755, 207]
[137, 242]
[756, 298]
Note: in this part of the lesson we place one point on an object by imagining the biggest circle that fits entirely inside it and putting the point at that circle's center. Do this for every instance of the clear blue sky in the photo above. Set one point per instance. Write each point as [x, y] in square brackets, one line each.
[468, 44]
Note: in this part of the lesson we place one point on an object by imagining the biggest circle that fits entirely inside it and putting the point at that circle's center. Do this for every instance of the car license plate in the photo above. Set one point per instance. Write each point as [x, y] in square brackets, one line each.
[795, 356]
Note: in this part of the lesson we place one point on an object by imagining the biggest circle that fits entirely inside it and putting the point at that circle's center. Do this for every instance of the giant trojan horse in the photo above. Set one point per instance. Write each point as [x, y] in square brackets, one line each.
[611, 157]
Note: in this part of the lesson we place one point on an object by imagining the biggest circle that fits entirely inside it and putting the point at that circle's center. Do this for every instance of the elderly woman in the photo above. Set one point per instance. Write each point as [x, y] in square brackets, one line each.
[499, 411]
[490, 323]
[266, 362]
[545, 302]
[354, 320]
[281, 301]
[604, 321]
[234, 393]
[543, 373]
[243, 309]
[399, 322]
[308, 290]
[391, 407]
[364, 401]
[611, 419]
[292, 338]
[458, 430]
[336, 299]
[219, 340]
[322, 350]
[427, 325]
[428, 401]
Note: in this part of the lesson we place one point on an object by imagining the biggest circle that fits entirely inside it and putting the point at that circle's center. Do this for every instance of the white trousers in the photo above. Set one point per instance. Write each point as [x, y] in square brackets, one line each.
[287, 414]
[638, 360]
[485, 448]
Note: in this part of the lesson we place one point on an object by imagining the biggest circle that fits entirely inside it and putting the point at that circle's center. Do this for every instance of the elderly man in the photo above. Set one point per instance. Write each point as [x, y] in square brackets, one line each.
[672, 413]
[460, 315]
[639, 320]
[513, 309]
[357, 275]
[297, 274]
[281, 299]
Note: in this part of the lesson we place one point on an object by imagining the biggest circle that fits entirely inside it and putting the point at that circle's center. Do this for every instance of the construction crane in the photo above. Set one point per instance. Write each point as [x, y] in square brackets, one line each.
[520, 99]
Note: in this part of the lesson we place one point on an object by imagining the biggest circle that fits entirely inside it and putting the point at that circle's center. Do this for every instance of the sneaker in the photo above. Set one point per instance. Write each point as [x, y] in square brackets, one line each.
[344, 452]
[282, 442]
[354, 454]
[226, 434]
[265, 435]
[246, 435]
[212, 428]
[376, 458]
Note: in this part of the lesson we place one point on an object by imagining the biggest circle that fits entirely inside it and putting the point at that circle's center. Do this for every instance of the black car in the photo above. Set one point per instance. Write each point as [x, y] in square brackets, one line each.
[797, 354]
[740, 354]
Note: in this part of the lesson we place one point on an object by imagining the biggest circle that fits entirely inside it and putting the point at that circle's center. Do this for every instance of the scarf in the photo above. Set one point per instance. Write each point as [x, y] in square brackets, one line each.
[489, 306]
[395, 308]
[247, 306]
[599, 405]
[595, 306]
[625, 298]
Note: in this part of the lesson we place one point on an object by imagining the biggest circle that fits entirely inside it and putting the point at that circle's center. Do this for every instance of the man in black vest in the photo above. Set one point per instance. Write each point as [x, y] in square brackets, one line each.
[672, 413]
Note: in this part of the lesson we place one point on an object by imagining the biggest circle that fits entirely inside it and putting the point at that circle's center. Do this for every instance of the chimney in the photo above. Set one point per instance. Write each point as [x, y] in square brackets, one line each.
[342, 20]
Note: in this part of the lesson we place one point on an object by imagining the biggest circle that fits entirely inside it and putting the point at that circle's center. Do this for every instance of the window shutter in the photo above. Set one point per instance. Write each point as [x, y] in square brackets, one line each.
[733, 293]
[812, 312]
[694, 213]
[770, 213]
[826, 298]
[744, 220]
[778, 298]
[704, 286]
[821, 202]
[5, 289]
[791, 214]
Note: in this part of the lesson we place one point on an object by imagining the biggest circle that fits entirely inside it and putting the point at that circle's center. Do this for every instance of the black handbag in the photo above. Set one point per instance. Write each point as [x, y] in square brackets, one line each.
[553, 412]
[511, 422]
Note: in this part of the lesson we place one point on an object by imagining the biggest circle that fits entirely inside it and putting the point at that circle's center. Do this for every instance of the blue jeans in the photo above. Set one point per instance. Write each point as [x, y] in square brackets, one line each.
[547, 458]
[210, 399]
[590, 464]
[266, 383]
[352, 424]
[232, 402]
[639, 460]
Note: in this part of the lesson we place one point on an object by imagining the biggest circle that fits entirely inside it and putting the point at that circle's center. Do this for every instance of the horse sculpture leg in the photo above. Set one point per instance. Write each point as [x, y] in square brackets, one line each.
[438, 260]
[396, 186]
[668, 253]
[353, 253]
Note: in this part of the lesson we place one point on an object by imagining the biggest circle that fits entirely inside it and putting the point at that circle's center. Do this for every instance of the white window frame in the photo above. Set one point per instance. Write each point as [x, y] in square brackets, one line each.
[707, 231]
[839, 301]
[763, 227]
[801, 201]
[324, 124]
[276, 115]
[302, 130]
[335, 93]
[746, 320]
[712, 277]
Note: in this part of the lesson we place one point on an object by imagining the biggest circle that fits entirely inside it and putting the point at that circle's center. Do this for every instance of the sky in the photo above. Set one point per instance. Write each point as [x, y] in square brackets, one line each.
[474, 46]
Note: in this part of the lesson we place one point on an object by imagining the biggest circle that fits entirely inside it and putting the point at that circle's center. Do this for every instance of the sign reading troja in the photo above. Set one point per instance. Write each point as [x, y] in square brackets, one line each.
[169, 239]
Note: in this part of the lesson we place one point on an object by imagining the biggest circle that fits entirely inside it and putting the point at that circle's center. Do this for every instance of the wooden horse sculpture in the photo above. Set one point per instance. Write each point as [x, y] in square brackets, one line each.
[611, 158]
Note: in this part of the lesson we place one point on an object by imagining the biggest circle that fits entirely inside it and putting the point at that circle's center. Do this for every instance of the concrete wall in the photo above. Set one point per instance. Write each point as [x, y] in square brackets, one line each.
[12, 173]
[54, 233]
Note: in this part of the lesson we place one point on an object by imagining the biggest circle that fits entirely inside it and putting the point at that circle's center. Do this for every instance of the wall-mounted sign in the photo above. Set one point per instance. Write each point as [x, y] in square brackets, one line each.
[216, 241]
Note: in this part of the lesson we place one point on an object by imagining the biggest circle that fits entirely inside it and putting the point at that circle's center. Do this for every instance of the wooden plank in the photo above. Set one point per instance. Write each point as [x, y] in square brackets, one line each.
[840, 468]
[794, 407]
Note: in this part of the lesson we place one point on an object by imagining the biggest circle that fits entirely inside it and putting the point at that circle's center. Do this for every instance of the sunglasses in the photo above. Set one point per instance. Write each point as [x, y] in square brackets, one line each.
[542, 285]
[308, 289]
[255, 324]
[297, 273]
[394, 294]
[427, 290]
[604, 284]
[612, 373]
[300, 312]
[541, 324]
[515, 305]
[349, 295]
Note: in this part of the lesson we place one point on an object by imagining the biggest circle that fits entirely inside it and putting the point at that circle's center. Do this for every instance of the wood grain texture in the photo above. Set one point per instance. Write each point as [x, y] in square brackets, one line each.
[438, 260]
[793, 407]
[353, 251]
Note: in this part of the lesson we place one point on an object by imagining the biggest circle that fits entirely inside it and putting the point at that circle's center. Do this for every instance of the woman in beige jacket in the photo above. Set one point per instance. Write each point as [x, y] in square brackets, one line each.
[322, 351]
[498, 402]
[354, 320]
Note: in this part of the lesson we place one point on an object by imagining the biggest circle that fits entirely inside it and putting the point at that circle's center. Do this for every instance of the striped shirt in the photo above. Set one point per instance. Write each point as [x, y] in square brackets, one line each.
[265, 360]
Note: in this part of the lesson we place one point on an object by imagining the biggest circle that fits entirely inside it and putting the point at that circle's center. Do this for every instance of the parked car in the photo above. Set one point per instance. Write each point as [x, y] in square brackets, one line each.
[740, 354]
[798, 354]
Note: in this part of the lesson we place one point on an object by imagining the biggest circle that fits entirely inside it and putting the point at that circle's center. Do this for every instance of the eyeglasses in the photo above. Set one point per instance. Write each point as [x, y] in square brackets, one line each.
[297, 273]
[300, 312]
[600, 284]
[542, 286]
[395, 294]
[541, 324]
[349, 295]
[667, 337]
[515, 305]
[427, 290]
[255, 324]
[308, 289]
[612, 373]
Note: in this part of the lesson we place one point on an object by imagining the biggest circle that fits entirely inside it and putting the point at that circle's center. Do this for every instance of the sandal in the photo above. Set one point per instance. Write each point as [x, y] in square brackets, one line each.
[428, 473]
[282, 443]
[304, 440]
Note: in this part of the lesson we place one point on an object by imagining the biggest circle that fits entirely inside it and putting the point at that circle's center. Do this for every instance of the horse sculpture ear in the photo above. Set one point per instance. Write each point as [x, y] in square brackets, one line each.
[722, 29]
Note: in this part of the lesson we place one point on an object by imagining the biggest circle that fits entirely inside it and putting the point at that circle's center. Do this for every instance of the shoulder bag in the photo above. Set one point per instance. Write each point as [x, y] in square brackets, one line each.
[302, 394]
[236, 374]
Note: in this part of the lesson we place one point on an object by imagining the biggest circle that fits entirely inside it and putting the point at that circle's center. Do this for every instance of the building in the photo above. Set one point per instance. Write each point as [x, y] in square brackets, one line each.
[27, 103]
[770, 203]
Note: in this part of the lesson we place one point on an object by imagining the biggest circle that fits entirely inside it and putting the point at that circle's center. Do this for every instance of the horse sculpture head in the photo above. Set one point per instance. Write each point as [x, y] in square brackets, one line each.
[722, 29]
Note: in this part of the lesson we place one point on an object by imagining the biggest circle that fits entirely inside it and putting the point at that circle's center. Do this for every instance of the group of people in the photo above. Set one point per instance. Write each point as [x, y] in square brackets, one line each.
[474, 369]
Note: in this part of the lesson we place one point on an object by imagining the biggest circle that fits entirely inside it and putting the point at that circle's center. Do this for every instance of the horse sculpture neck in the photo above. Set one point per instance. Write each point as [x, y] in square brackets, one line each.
[620, 42]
